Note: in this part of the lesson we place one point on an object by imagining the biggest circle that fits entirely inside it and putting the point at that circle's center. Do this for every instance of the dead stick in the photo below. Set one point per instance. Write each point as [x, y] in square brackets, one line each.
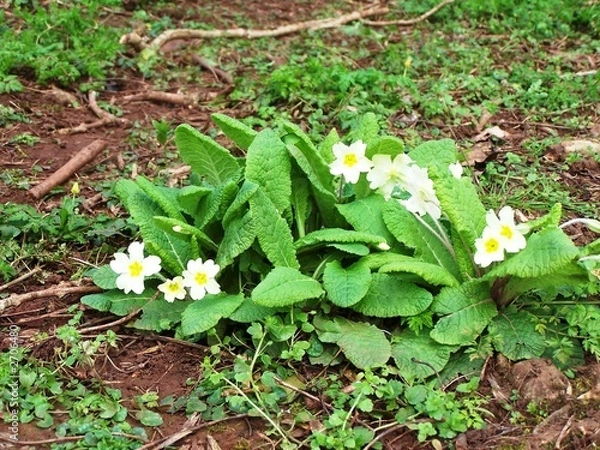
[83, 157]
[318, 24]
[407, 22]
[57, 291]
[21, 278]
[166, 97]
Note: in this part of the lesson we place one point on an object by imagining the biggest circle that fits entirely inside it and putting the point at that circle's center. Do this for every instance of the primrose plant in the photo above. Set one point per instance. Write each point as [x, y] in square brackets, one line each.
[382, 253]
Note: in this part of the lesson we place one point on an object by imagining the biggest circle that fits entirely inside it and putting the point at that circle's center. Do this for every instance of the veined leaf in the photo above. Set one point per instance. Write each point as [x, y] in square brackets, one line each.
[461, 204]
[466, 310]
[285, 286]
[104, 277]
[268, 165]
[385, 145]
[366, 130]
[514, 335]
[412, 233]
[173, 251]
[353, 249]
[548, 220]
[243, 196]
[366, 215]
[346, 286]
[301, 202]
[237, 131]
[159, 315]
[239, 236]
[337, 235]
[431, 273]
[326, 148]
[215, 204]
[389, 296]
[439, 153]
[363, 344]
[202, 315]
[206, 158]
[189, 198]
[117, 302]
[419, 356]
[249, 312]
[164, 197]
[273, 233]
[184, 231]
[547, 251]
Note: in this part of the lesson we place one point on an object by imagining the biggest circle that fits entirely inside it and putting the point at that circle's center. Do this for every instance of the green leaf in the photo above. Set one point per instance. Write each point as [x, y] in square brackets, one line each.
[172, 250]
[363, 344]
[206, 158]
[461, 204]
[285, 286]
[336, 235]
[183, 230]
[164, 197]
[117, 302]
[550, 219]
[466, 311]
[189, 198]
[149, 418]
[273, 233]
[326, 147]
[385, 145]
[104, 277]
[159, 315]
[346, 286]
[237, 206]
[431, 273]
[547, 251]
[202, 315]
[366, 215]
[389, 296]
[239, 236]
[366, 130]
[249, 312]
[237, 131]
[514, 335]
[439, 154]
[409, 231]
[353, 249]
[419, 356]
[268, 165]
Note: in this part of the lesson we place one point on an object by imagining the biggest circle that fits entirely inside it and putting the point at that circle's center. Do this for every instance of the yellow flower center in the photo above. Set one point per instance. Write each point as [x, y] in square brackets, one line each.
[350, 160]
[136, 268]
[173, 286]
[506, 231]
[201, 278]
[491, 245]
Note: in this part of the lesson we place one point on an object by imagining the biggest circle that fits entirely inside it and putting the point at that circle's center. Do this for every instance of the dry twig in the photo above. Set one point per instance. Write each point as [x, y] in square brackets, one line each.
[105, 118]
[64, 288]
[166, 97]
[84, 156]
[332, 22]
[407, 22]
[21, 278]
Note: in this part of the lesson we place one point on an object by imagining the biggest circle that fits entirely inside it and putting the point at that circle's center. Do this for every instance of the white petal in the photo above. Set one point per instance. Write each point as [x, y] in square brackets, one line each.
[507, 215]
[358, 147]
[137, 285]
[339, 149]
[120, 264]
[211, 268]
[124, 283]
[197, 292]
[136, 250]
[212, 287]
[151, 265]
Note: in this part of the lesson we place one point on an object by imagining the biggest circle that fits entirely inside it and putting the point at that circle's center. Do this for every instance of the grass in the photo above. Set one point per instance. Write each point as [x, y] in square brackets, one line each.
[510, 58]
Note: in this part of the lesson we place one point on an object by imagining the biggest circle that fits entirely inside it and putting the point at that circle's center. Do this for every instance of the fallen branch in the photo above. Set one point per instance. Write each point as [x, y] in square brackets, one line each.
[407, 22]
[105, 117]
[83, 157]
[64, 288]
[166, 97]
[319, 24]
[21, 278]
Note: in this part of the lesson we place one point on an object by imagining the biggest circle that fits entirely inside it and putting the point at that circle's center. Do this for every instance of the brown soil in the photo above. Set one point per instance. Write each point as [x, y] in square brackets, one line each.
[145, 363]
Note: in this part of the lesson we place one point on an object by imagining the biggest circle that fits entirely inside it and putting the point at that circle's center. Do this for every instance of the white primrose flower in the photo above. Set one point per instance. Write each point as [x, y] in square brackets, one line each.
[387, 174]
[133, 268]
[488, 248]
[200, 278]
[173, 289]
[504, 225]
[350, 161]
[456, 170]
[422, 199]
